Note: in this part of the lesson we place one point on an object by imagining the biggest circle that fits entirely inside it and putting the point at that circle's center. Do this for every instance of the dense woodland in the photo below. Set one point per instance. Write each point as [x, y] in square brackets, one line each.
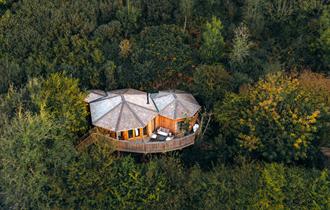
[259, 68]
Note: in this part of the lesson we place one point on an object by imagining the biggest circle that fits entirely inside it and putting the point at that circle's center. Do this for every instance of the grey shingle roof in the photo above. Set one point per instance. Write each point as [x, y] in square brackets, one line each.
[94, 94]
[126, 109]
[121, 110]
[175, 104]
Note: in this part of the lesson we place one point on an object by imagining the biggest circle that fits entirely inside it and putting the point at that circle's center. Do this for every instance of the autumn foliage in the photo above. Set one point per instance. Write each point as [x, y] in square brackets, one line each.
[276, 119]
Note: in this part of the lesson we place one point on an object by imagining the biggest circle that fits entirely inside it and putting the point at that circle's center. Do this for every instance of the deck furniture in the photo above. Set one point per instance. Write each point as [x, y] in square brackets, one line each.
[161, 138]
[169, 138]
[163, 131]
[195, 127]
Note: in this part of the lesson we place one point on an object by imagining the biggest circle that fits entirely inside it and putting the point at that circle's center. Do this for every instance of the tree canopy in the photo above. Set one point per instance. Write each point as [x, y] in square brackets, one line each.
[259, 68]
[275, 119]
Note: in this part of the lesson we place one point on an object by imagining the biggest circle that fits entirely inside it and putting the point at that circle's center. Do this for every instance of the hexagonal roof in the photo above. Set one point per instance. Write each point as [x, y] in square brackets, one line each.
[121, 110]
[175, 104]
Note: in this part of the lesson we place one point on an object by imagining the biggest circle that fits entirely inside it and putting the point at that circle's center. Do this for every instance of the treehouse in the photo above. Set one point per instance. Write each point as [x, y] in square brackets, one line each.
[135, 121]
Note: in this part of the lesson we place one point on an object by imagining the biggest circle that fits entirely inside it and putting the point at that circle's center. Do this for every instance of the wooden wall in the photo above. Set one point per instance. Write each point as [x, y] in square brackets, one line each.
[172, 124]
[159, 121]
[167, 123]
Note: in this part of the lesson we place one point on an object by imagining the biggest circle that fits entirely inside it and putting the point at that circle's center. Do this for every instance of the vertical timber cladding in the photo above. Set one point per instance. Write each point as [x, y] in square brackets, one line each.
[172, 124]
[159, 121]
[167, 123]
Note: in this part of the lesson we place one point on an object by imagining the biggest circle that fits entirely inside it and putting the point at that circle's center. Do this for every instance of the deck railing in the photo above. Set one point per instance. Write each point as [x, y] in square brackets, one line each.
[139, 146]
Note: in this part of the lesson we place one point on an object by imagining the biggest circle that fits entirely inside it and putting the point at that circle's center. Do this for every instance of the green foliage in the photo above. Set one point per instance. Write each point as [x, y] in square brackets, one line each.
[101, 181]
[157, 12]
[34, 153]
[10, 74]
[186, 9]
[109, 71]
[283, 28]
[325, 34]
[319, 87]
[283, 188]
[159, 54]
[256, 186]
[109, 31]
[14, 101]
[212, 48]
[160, 44]
[276, 119]
[211, 83]
[62, 98]
[241, 45]
[44, 39]
[129, 17]
[271, 195]
[222, 188]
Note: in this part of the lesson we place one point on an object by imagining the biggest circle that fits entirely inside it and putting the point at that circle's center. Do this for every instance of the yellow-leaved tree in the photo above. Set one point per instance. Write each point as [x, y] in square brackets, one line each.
[61, 97]
[276, 119]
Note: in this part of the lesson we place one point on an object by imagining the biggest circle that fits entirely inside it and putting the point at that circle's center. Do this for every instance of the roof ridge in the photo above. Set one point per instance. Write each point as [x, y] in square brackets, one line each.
[183, 106]
[136, 116]
[154, 104]
[175, 108]
[168, 105]
[103, 98]
[184, 101]
[119, 116]
[141, 106]
[95, 91]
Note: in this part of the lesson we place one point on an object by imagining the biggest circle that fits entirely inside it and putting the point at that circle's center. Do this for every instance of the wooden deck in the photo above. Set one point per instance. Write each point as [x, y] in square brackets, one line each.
[140, 146]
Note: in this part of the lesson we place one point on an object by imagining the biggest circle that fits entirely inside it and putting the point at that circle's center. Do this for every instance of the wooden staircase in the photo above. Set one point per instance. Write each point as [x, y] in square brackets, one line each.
[86, 139]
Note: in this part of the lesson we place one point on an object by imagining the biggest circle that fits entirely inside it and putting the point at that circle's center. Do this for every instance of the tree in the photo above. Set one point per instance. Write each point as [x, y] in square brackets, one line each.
[35, 37]
[281, 186]
[158, 12]
[109, 71]
[211, 83]
[282, 31]
[241, 45]
[186, 8]
[325, 35]
[212, 47]
[125, 48]
[61, 97]
[319, 87]
[100, 180]
[10, 74]
[275, 120]
[34, 154]
[129, 17]
[160, 57]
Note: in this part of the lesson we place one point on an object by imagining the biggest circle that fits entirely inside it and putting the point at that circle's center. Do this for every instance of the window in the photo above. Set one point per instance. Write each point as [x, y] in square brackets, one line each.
[137, 132]
[130, 134]
[145, 131]
[120, 135]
